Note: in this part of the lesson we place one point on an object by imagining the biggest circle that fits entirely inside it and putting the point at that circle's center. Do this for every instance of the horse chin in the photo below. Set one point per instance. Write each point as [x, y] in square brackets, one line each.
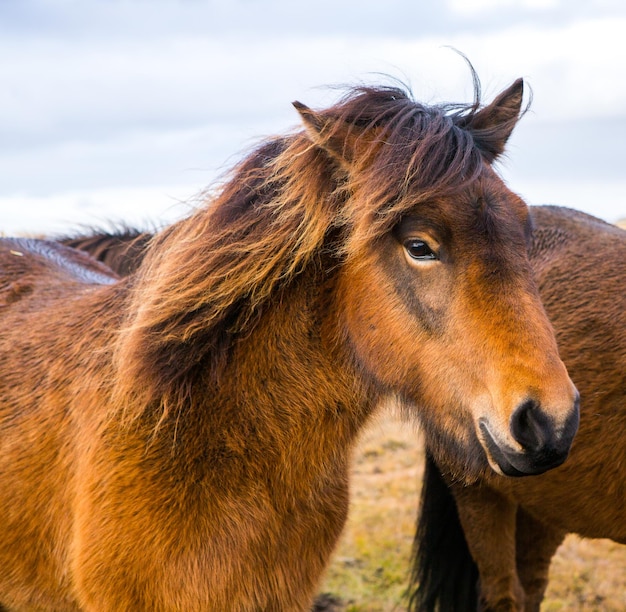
[510, 462]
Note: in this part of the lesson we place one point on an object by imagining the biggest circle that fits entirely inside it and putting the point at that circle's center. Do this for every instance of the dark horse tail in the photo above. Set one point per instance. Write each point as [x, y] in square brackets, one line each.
[443, 574]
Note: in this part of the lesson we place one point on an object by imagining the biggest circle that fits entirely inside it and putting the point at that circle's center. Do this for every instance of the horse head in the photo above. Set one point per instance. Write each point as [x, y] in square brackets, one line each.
[437, 299]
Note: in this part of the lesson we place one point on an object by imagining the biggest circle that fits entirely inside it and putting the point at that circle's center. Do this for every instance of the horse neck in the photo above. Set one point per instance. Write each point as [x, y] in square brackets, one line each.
[287, 398]
[294, 355]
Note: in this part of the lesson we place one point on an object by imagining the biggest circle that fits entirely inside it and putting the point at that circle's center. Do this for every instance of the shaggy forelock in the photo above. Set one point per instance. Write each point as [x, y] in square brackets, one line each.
[411, 152]
[285, 205]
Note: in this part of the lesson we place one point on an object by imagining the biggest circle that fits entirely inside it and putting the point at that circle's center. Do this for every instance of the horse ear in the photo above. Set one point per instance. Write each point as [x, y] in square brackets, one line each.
[313, 123]
[492, 125]
[327, 134]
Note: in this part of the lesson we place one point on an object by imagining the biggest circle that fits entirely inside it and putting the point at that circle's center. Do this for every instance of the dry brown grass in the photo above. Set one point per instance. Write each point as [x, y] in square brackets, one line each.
[369, 571]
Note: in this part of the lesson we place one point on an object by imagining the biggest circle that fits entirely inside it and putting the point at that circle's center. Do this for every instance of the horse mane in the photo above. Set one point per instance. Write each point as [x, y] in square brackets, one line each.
[207, 279]
[119, 246]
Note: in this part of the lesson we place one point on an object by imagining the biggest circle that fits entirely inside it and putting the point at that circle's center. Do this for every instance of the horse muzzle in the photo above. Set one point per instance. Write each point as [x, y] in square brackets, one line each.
[542, 445]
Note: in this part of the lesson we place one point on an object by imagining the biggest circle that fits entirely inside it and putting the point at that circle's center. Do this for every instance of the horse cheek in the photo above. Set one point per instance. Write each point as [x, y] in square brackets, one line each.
[383, 336]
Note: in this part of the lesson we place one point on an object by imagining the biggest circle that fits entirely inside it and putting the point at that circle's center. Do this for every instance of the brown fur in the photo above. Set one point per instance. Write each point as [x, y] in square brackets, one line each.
[514, 526]
[180, 439]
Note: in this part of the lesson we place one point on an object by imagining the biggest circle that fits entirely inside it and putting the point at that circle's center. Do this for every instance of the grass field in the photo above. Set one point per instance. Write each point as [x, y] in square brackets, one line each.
[370, 565]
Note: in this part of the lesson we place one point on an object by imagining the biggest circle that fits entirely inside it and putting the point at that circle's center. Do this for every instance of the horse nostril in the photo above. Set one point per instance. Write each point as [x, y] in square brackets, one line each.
[530, 426]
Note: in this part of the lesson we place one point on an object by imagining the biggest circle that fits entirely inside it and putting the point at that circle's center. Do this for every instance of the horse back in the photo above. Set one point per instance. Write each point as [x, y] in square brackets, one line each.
[26, 263]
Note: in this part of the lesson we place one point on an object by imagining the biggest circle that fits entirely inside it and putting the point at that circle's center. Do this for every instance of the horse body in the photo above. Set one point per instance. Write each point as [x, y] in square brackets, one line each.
[583, 293]
[242, 502]
[179, 439]
[514, 526]
[37, 463]
[257, 497]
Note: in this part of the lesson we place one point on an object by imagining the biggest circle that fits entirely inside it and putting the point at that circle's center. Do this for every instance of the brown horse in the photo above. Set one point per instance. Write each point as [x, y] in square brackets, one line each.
[180, 438]
[512, 527]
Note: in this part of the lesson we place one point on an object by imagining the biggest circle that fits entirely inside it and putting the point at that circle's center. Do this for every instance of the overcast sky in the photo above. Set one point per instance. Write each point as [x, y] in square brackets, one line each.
[125, 109]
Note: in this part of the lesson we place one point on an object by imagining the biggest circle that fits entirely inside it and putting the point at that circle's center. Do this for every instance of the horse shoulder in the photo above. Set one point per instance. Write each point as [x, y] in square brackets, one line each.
[561, 233]
[579, 264]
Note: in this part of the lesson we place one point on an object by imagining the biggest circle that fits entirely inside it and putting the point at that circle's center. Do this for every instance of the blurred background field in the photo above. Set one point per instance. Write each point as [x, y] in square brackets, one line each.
[369, 570]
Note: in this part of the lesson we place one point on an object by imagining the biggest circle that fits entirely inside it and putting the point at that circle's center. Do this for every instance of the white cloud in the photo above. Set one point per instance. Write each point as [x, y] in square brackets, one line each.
[468, 7]
[72, 211]
[51, 90]
[604, 199]
[574, 69]
[137, 95]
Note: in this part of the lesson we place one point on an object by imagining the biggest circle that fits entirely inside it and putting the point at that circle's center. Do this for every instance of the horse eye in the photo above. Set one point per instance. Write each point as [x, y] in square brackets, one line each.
[419, 250]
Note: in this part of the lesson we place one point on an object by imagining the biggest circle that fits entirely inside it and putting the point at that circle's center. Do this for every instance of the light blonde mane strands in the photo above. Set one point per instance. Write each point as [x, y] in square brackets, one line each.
[208, 277]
